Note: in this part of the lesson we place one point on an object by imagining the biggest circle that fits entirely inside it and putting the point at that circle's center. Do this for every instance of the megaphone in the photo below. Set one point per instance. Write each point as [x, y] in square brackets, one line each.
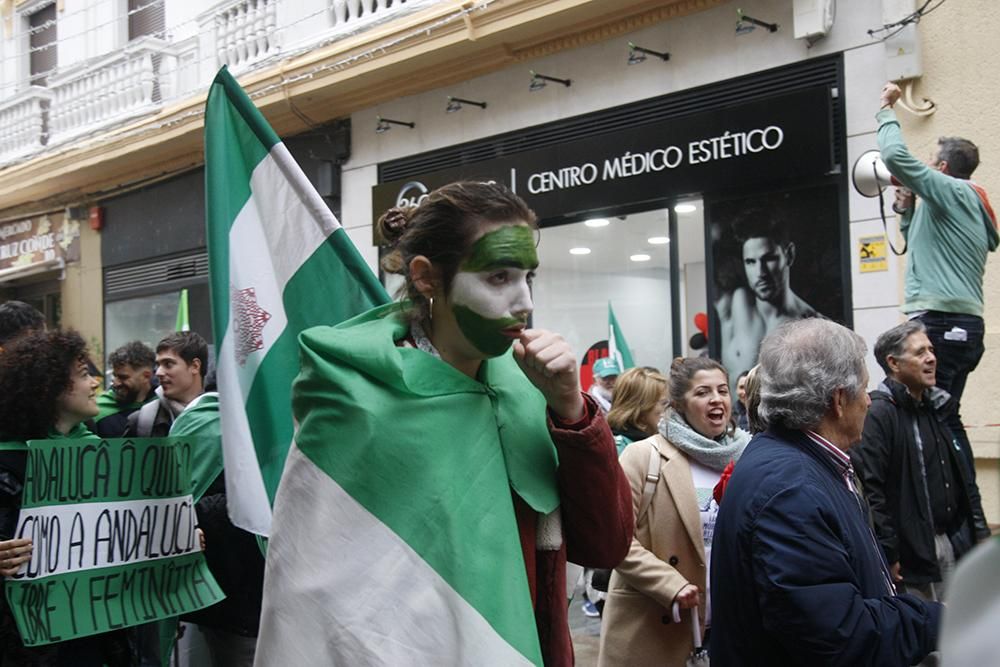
[870, 175]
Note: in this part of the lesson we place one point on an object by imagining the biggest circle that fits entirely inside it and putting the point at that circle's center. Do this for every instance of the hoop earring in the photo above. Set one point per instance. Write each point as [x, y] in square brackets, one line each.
[430, 310]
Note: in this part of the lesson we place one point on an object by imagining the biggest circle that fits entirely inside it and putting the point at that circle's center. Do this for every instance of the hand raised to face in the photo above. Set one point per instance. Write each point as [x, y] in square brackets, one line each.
[549, 363]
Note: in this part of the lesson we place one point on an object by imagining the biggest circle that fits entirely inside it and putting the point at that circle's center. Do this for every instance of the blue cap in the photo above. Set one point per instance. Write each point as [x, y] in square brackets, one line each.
[605, 367]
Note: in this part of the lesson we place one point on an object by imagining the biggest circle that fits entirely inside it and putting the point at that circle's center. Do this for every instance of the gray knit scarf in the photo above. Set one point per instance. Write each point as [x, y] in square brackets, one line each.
[714, 454]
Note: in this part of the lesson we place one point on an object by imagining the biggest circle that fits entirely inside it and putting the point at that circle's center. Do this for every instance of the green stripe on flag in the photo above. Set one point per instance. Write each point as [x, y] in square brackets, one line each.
[617, 347]
[182, 323]
[239, 140]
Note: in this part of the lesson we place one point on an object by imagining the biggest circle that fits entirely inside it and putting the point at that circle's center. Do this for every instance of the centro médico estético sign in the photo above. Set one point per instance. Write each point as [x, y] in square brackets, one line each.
[782, 138]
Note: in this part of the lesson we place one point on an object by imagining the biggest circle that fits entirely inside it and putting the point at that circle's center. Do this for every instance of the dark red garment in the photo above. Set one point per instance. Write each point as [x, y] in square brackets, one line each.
[720, 488]
[596, 508]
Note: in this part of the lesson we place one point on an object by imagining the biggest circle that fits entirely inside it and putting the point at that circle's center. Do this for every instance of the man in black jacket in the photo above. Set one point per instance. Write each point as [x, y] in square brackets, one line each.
[133, 386]
[918, 482]
[181, 365]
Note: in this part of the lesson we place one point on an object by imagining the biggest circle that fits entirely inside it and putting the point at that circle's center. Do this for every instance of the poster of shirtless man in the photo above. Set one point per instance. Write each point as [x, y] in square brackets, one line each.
[775, 258]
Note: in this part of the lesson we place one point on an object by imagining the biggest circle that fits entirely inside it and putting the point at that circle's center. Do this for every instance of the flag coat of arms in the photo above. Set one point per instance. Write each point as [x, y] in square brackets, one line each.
[279, 262]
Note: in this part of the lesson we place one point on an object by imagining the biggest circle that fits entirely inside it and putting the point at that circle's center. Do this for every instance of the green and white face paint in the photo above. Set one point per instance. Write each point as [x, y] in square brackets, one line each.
[491, 293]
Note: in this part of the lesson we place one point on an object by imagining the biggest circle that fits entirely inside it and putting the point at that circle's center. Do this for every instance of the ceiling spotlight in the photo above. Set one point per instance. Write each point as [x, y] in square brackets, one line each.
[637, 54]
[745, 24]
[641, 257]
[456, 103]
[385, 124]
[685, 208]
[658, 240]
[579, 251]
[597, 222]
[539, 81]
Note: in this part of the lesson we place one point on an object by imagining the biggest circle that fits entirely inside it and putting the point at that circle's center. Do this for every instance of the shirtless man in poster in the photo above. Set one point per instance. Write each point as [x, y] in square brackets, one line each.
[749, 312]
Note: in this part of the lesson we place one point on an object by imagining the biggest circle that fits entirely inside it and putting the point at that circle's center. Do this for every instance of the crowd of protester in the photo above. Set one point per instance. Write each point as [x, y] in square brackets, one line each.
[804, 522]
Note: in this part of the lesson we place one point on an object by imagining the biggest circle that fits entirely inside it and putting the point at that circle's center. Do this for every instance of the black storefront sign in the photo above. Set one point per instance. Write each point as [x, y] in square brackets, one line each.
[780, 138]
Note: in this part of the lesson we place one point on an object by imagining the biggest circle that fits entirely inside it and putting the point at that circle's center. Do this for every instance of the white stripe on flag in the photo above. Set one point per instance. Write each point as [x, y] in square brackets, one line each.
[323, 606]
[275, 233]
[249, 506]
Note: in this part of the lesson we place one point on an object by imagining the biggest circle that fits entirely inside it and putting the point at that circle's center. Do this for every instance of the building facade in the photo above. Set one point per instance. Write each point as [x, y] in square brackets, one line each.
[641, 132]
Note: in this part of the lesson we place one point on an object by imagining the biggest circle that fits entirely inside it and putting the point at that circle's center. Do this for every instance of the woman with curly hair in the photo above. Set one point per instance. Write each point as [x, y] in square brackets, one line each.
[48, 393]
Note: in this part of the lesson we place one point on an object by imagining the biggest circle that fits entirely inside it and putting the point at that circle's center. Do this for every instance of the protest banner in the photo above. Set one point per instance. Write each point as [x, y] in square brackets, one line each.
[113, 527]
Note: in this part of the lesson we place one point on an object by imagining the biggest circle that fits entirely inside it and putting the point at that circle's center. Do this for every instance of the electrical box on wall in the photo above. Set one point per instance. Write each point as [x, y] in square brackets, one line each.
[902, 47]
[902, 55]
[813, 19]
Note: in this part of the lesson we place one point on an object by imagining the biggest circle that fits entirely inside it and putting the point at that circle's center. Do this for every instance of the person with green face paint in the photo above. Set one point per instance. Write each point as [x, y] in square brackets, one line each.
[462, 431]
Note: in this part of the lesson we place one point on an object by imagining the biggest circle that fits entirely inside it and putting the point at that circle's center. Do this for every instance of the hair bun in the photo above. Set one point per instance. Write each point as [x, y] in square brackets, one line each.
[393, 223]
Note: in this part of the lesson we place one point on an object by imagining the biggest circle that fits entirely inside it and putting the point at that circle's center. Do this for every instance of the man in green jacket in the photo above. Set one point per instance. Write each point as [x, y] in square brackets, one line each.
[947, 236]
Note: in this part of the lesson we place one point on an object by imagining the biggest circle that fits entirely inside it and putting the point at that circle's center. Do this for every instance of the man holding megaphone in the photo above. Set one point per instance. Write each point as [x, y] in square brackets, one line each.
[948, 236]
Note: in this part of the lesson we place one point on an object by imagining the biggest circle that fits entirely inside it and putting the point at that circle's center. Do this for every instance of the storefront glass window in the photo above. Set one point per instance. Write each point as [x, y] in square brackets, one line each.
[624, 261]
[147, 319]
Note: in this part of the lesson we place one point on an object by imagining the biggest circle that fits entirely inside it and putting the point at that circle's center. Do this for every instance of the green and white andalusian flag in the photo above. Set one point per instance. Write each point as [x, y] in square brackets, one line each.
[279, 263]
[617, 347]
[183, 321]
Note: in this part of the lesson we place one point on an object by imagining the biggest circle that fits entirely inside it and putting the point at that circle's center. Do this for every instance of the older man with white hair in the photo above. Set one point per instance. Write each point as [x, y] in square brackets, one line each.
[797, 575]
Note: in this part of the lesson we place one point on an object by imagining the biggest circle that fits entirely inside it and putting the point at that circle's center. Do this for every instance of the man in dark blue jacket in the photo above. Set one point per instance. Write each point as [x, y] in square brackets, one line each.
[797, 576]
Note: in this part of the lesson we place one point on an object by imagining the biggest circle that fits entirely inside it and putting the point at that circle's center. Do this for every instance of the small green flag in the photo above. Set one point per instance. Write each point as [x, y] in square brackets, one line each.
[183, 323]
[617, 346]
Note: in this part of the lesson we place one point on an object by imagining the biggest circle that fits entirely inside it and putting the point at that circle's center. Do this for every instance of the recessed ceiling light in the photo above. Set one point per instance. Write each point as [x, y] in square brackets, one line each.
[598, 222]
[579, 251]
[658, 240]
[641, 257]
[685, 208]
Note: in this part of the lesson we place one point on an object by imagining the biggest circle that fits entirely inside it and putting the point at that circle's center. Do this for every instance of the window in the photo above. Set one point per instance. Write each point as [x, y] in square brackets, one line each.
[624, 261]
[150, 318]
[145, 17]
[42, 44]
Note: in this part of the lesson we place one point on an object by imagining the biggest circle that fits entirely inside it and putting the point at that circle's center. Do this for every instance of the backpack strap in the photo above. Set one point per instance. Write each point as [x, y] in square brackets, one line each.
[652, 478]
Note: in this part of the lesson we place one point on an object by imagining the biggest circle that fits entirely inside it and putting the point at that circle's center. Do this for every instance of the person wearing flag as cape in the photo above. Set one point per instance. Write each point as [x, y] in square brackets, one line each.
[228, 629]
[440, 479]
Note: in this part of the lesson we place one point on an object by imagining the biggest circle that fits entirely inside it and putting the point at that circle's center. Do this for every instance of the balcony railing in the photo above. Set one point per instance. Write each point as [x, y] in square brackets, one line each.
[116, 87]
[23, 122]
[351, 11]
[245, 32]
[140, 77]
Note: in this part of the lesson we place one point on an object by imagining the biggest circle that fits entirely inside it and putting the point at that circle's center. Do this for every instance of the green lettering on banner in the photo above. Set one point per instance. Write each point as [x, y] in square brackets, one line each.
[66, 606]
[112, 524]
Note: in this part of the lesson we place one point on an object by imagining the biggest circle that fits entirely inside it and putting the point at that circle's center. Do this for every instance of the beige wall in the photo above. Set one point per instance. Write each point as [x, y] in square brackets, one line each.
[82, 293]
[960, 61]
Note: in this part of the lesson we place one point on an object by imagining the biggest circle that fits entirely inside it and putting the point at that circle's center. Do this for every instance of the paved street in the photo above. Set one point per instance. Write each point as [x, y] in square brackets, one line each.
[585, 631]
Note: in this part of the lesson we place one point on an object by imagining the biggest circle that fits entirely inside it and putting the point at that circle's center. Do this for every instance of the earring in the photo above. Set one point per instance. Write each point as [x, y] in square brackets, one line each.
[430, 310]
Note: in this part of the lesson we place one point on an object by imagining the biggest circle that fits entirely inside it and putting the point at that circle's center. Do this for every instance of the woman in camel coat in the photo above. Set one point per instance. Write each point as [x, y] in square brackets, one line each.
[667, 561]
